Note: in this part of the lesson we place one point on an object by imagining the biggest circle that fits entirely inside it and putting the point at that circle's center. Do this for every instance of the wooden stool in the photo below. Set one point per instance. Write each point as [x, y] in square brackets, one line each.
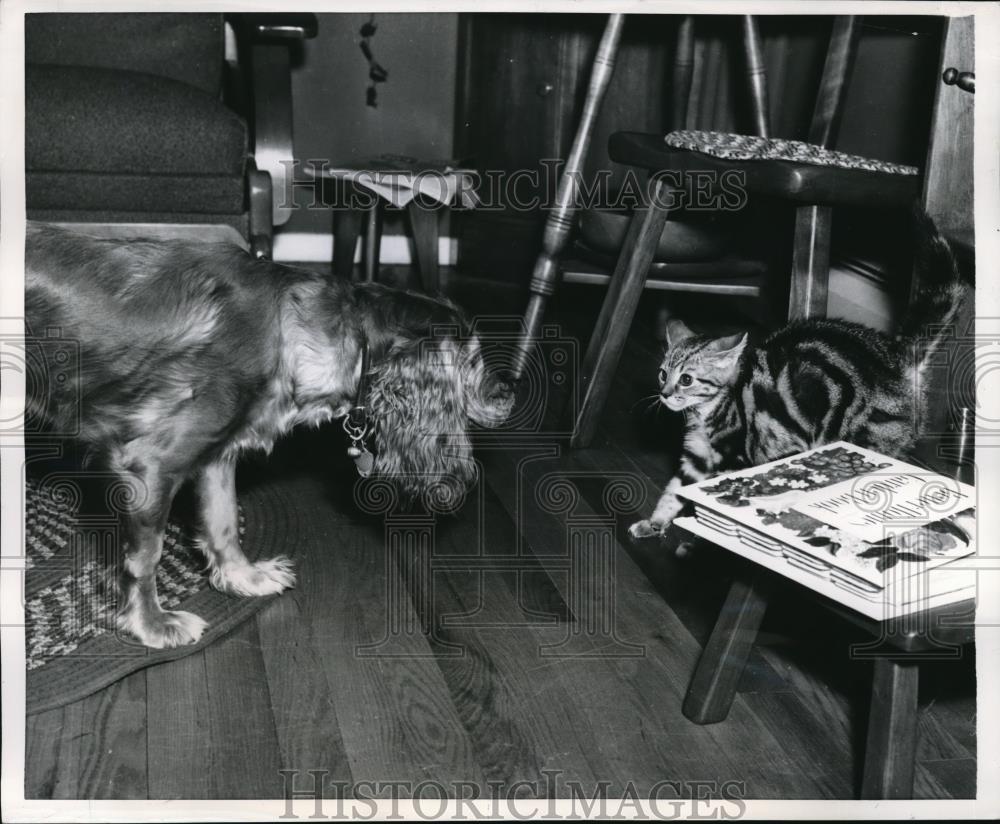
[902, 644]
[361, 193]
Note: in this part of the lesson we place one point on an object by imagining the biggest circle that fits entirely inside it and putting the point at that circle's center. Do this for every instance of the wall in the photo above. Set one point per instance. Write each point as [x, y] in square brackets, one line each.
[416, 106]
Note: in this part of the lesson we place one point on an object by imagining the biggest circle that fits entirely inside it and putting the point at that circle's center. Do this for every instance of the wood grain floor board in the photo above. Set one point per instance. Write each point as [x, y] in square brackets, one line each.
[948, 778]
[93, 748]
[593, 697]
[300, 699]
[240, 721]
[394, 710]
[46, 771]
[114, 759]
[518, 715]
[826, 757]
[182, 755]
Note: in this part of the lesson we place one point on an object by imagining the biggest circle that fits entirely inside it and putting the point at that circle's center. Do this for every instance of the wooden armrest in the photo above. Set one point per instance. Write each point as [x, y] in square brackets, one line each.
[268, 40]
[265, 28]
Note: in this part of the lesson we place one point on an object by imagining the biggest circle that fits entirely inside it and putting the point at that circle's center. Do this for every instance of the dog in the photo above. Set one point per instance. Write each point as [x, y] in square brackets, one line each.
[190, 354]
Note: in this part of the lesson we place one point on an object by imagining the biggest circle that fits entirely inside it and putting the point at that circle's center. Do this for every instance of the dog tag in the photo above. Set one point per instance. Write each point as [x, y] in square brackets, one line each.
[364, 461]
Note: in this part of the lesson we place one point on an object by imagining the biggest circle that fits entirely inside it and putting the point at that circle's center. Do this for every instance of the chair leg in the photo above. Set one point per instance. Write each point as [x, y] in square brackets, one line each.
[810, 262]
[373, 241]
[560, 219]
[713, 686]
[424, 224]
[892, 731]
[756, 76]
[346, 231]
[608, 338]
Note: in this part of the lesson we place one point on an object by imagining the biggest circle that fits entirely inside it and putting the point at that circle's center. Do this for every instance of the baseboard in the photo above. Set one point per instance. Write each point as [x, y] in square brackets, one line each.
[317, 247]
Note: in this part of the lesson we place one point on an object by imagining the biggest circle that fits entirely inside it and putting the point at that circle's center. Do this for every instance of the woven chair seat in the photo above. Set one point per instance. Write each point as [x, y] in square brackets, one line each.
[751, 147]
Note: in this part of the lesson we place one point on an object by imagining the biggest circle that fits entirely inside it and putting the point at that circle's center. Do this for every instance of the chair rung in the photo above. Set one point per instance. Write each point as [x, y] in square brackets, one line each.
[730, 287]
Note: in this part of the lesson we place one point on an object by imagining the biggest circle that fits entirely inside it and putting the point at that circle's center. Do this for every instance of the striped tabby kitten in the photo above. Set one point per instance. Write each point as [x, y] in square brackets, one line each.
[810, 383]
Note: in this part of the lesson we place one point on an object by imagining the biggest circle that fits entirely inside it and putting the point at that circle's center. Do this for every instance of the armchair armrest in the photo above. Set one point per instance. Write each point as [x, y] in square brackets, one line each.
[264, 43]
[280, 27]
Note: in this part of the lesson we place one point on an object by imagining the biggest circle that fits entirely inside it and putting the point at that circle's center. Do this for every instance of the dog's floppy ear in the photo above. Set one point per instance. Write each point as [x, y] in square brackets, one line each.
[417, 405]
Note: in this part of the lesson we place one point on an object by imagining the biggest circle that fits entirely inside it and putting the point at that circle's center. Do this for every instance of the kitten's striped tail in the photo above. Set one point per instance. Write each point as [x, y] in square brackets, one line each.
[943, 290]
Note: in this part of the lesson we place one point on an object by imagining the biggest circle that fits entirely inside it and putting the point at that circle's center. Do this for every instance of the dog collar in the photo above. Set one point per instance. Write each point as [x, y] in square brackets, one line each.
[359, 412]
[356, 422]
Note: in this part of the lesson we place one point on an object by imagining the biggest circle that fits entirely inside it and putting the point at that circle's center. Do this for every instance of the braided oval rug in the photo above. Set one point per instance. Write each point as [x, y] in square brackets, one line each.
[71, 645]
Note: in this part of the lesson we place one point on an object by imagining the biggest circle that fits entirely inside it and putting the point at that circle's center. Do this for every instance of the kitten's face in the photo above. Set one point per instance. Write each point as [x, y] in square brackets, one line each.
[696, 369]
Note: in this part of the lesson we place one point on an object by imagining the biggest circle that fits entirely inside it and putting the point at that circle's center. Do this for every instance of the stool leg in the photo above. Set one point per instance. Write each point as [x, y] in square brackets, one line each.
[424, 223]
[559, 223]
[892, 731]
[713, 687]
[373, 241]
[346, 231]
[810, 262]
[615, 319]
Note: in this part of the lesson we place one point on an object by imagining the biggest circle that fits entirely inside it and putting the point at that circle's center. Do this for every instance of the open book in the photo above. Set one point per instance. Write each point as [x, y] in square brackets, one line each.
[866, 525]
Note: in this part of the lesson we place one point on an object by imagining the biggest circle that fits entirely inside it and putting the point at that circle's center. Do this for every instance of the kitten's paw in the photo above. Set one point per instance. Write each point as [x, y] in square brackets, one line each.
[647, 528]
[685, 549]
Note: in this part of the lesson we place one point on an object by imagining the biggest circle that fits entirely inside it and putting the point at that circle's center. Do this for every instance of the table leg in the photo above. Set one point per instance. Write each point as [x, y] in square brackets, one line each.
[892, 731]
[713, 686]
[373, 241]
[424, 223]
[346, 231]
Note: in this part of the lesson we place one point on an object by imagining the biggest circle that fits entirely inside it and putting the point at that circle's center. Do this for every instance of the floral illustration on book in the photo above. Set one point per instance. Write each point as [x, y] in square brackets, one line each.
[936, 539]
[813, 471]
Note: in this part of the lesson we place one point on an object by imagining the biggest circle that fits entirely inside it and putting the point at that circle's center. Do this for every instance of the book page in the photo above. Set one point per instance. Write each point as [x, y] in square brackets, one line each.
[878, 505]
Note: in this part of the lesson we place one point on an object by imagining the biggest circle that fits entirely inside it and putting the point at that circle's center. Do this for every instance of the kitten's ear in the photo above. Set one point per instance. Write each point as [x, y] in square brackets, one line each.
[676, 331]
[728, 348]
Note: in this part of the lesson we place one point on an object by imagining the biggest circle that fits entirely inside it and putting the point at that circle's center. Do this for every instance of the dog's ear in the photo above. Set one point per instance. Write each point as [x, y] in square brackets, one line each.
[417, 404]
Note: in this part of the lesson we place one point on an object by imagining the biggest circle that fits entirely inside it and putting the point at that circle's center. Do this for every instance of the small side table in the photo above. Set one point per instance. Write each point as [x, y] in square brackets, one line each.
[899, 646]
[360, 194]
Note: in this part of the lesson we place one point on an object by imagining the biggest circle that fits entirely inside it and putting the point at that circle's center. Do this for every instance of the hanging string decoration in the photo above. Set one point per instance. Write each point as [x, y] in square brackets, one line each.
[376, 74]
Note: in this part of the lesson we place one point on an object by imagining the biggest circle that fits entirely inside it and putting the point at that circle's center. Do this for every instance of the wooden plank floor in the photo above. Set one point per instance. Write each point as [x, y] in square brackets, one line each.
[471, 686]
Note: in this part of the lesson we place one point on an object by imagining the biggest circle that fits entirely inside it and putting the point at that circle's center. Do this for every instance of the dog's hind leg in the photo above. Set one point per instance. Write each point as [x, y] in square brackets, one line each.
[231, 571]
[140, 613]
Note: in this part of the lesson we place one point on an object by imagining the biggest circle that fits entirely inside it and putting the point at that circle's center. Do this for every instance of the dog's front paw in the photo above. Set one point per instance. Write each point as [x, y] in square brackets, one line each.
[162, 629]
[253, 580]
[647, 528]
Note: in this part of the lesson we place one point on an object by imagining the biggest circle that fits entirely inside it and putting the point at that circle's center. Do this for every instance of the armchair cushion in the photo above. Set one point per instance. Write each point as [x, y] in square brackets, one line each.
[138, 193]
[185, 47]
[84, 119]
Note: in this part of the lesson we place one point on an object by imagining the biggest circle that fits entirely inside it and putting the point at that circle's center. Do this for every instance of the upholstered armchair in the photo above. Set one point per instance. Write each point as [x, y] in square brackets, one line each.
[161, 124]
